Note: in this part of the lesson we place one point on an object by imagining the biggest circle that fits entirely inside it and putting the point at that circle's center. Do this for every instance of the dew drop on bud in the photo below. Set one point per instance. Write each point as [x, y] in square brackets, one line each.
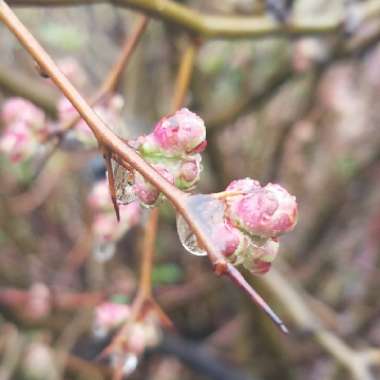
[187, 238]
[104, 251]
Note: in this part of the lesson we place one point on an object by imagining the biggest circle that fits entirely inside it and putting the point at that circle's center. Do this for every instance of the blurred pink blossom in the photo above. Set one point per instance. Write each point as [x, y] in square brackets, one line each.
[18, 142]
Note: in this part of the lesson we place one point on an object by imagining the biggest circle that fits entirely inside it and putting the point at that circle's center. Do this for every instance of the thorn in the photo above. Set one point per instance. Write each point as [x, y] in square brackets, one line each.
[241, 282]
[111, 184]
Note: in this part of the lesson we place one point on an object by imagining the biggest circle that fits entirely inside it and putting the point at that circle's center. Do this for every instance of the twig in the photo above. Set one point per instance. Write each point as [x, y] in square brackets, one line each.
[213, 26]
[357, 363]
[22, 85]
[184, 75]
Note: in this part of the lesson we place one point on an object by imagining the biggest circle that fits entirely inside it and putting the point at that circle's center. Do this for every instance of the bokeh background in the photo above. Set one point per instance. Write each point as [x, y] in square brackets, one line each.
[302, 111]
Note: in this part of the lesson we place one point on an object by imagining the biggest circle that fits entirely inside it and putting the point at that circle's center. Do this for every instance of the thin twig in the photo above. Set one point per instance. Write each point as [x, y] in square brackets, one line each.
[215, 26]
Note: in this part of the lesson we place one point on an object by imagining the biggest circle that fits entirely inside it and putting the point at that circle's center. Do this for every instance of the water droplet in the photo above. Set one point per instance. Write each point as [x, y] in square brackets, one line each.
[104, 251]
[187, 238]
[208, 212]
[123, 184]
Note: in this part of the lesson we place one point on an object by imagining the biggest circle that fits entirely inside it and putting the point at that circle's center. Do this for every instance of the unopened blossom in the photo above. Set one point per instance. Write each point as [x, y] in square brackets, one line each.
[146, 192]
[18, 142]
[266, 211]
[99, 198]
[258, 258]
[106, 228]
[183, 132]
[189, 172]
[109, 316]
[227, 238]
[19, 110]
[141, 333]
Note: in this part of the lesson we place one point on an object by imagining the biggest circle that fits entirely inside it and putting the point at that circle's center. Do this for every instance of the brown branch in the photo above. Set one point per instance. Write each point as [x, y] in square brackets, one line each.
[22, 85]
[111, 81]
[184, 75]
[215, 26]
[145, 288]
[356, 362]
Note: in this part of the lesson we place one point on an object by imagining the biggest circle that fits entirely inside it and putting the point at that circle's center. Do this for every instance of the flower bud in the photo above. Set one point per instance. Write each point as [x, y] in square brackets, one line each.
[245, 185]
[19, 110]
[183, 132]
[146, 192]
[259, 258]
[18, 142]
[99, 198]
[189, 172]
[264, 212]
[227, 239]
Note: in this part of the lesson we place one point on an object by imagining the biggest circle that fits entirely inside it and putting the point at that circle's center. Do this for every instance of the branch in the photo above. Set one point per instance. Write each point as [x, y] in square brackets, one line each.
[356, 362]
[214, 26]
[22, 85]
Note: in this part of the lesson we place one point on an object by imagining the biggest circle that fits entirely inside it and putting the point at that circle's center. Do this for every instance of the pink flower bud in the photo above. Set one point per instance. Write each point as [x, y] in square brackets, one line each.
[183, 132]
[99, 197]
[245, 185]
[265, 212]
[227, 239]
[19, 110]
[189, 172]
[110, 315]
[259, 258]
[130, 214]
[147, 193]
[106, 228]
[18, 142]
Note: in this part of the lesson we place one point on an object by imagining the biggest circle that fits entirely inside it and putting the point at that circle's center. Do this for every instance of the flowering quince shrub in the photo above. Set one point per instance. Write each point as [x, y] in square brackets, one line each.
[105, 228]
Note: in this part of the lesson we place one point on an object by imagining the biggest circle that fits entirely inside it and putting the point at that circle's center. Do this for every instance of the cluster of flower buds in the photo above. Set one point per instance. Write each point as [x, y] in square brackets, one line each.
[246, 221]
[106, 229]
[173, 149]
[25, 126]
[141, 333]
